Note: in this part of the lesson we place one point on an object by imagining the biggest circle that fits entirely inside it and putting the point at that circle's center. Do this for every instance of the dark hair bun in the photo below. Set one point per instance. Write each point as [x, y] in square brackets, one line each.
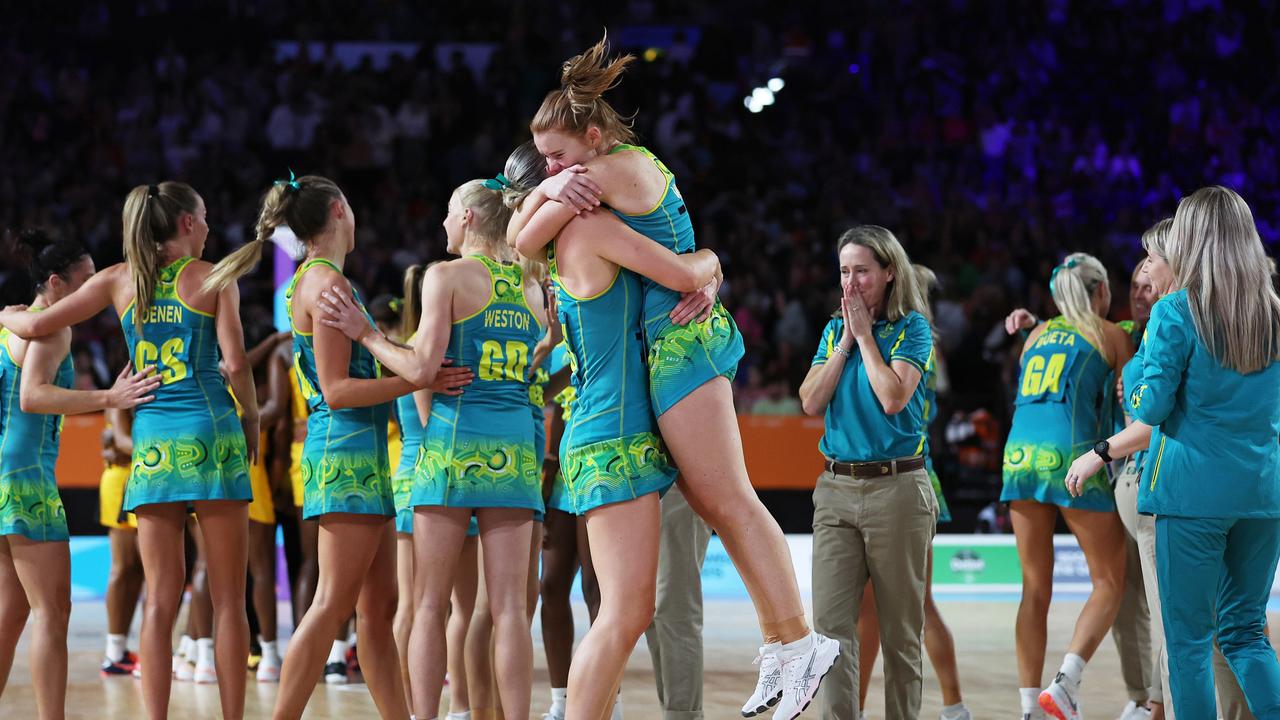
[32, 241]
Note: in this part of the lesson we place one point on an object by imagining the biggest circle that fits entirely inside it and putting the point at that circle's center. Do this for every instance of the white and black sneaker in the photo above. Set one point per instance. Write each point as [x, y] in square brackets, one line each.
[335, 673]
[1057, 700]
[769, 684]
[802, 670]
[1134, 711]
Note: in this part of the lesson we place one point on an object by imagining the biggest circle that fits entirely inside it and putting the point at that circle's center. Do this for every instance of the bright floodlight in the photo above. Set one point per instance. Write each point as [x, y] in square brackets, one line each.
[762, 95]
[776, 84]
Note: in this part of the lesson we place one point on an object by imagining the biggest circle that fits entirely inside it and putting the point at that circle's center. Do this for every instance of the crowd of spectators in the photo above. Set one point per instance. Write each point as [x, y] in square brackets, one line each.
[991, 137]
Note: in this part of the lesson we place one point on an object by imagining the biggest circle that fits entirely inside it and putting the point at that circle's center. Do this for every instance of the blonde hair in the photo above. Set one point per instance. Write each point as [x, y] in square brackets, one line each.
[150, 219]
[927, 279]
[524, 169]
[1156, 240]
[904, 293]
[490, 215]
[301, 204]
[1072, 286]
[1217, 257]
[411, 307]
[578, 105]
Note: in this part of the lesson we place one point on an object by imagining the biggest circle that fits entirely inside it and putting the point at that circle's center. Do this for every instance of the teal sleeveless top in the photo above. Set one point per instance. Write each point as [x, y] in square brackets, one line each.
[345, 463]
[29, 501]
[188, 443]
[1062, 409]
[681, 358]
[610, 451]
[478, 450]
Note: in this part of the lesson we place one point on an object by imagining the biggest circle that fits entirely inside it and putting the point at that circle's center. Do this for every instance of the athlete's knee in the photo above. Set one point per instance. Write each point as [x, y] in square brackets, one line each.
[13, 618]
[628, 621]
[1036, 593]
[381, 611]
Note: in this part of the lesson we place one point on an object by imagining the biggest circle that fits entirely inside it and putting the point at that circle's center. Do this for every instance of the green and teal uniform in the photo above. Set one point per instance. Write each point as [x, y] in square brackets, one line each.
[30, 505]
[1062, 410]
[188, 443]
[856, 427]
[559, 359]
[1130, 328]
[681, 358]
[1131, 376]
[411, 432]
[478, 450]
[537, 401]
[1212, 479]
[930, 382]
[610, 451]
[346, 467]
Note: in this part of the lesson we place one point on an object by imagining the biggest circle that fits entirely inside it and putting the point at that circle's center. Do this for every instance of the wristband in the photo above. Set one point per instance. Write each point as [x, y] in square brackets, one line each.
[841, 350]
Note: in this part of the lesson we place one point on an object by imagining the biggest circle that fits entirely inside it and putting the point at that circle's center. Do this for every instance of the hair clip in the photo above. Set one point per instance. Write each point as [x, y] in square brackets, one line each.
[397, 304]
[153, 191]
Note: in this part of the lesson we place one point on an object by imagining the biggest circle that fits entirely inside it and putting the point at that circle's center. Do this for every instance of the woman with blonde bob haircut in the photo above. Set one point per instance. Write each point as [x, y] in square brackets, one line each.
[874, 508]
[1206, 408]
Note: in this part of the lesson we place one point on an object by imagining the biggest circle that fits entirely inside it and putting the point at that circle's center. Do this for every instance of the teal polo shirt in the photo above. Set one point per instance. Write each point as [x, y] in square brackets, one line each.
[857, 427]
[1214, 450]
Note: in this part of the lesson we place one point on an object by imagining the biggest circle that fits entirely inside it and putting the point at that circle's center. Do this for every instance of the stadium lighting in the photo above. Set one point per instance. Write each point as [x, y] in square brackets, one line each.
[762, 96]
[776, 84]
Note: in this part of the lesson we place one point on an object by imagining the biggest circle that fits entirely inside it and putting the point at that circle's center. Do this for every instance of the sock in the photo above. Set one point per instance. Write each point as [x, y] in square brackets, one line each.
[1072, 668]
[1030, 700]
[351, 638]
[270, 654]
[953, 712]
[558, 696]
[186, 646]
[115, 647]
[204, 652]
[799, 646]
[617, 708]
[339, 652]
[464, 715]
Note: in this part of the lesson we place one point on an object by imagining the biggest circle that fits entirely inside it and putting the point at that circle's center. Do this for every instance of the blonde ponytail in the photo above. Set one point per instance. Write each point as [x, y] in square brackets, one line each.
[1072, 286]
[411, 309]
[301, 204]
[150, 219]
[578, 103]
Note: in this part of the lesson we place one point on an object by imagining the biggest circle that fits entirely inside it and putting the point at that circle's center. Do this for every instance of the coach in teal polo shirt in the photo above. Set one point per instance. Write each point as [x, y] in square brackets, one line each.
[874, 508]
[1212, 474]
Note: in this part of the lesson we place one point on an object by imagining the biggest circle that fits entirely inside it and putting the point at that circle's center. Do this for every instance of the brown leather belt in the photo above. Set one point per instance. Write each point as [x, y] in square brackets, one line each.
[867, 470]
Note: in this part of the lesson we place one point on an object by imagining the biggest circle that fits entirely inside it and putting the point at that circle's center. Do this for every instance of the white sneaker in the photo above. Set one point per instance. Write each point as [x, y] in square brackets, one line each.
[552, 716]
[964, 715]
[185, 672]
[768, 684]
[268, 672]
[1134, 711]
[802, 671]
[137, 670]
[1057, 701]
[205, 675]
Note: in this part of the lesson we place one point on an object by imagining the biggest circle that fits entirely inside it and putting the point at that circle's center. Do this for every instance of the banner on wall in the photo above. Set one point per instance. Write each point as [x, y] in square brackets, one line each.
[963, 565]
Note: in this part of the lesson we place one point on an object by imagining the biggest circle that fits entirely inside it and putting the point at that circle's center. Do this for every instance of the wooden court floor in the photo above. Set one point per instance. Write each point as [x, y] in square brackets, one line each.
[984, 641]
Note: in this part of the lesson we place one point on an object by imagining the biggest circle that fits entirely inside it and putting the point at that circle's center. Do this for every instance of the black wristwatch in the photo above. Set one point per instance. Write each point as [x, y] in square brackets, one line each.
[1103, 449]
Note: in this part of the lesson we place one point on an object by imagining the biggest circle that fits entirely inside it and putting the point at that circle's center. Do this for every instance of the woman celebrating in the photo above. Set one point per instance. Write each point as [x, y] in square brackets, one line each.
[1210, 352]
[36, 377]
[478, 453]
[345, 468]
[1064, 393]
[691, 363]
[173, 322]
[875, 510]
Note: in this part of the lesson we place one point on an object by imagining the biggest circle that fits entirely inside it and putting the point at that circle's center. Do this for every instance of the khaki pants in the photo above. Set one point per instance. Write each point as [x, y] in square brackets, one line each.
[675, 636]
[879, 529]
[1231, 701]
[1132, 629]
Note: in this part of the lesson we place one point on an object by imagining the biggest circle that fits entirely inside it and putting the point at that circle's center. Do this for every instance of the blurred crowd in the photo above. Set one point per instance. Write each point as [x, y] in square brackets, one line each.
[991, 137]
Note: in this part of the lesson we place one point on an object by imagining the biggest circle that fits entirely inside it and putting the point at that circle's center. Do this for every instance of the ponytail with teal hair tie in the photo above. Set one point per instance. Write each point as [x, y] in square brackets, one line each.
[498, 183]
[292, 184]
[1072, 262]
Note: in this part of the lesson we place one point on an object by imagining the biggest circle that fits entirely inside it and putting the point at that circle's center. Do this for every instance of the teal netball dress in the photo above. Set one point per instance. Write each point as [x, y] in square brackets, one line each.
[681, 358]
[345, 463]
[930, 382]
[1062, 410]
[188, 443]
[29, 502]
[610, 451]
[411, 433]
[479, 449]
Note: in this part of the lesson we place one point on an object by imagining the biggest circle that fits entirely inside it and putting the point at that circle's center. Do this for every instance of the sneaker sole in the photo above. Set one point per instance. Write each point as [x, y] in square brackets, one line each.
[768, 704]
[822, 676]
[1050, 706]
[335, 680]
